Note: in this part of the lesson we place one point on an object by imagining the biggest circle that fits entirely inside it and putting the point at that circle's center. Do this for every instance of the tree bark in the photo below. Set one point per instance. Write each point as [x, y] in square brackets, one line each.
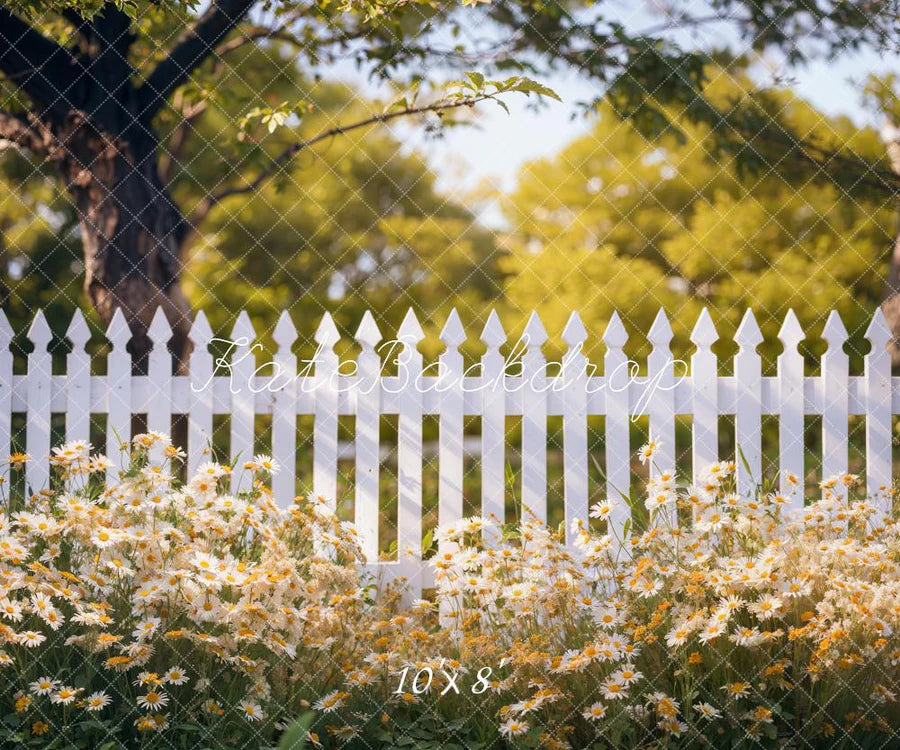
[96, 125]
[890, 303]
[132, 234]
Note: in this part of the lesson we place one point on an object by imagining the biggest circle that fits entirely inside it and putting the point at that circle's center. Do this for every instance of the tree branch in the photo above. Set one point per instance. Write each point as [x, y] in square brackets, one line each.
[260, 32]
[18, 132]
[288, 153]
[281, 34]
[782, 150]
[171, 155]
[169, 159]
[189, 52]
[38, 66]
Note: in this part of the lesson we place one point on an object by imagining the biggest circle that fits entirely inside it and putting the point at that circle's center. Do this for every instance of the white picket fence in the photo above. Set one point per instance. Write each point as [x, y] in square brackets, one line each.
[453, 392]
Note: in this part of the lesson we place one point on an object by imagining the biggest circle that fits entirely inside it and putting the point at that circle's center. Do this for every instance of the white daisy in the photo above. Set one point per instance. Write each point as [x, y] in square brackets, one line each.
[175, 676]
[594, 712]
[65, 695]
[97, 701]
[43, 685]
[153, 699]
[707, 711]
[251, 711]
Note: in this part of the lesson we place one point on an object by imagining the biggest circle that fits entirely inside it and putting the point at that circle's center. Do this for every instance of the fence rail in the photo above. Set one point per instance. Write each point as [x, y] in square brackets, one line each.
[574, 392]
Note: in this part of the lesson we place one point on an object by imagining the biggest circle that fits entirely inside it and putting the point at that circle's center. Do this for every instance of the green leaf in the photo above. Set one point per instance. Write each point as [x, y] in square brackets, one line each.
[427, 541]
[398, 100]
[744, 461]
[477, 79]
[294, 737]
[529, 86]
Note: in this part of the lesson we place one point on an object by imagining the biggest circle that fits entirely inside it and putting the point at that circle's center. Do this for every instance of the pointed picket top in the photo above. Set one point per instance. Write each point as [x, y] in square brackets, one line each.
[368, 334]
[410, 330]
[574, 333]
[660, 334]
[615, 336]
[39, 332]
[834, 332]
[6, 332]
[748, 335]
[535, 331]
[791, 332]
[879, 333]
[243, 330]
[704, 334]
[118, 331]
[201, 333]
[453, 334]
[327, 333]
[159, 331]
[78, 332]
[285, 333]
[493, 335]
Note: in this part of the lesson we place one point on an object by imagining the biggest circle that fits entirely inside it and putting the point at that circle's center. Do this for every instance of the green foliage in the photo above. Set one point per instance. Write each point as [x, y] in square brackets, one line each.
[274, 117]
[880, 94]
[474, 84]
[40, 255]
[294, 737]
[357, 222]
[621, 221]
[350, 225]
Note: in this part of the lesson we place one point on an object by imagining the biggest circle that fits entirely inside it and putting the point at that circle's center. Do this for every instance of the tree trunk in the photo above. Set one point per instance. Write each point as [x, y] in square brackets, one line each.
[132, 234]
[890, 301]
[89, 117]
[890, 304]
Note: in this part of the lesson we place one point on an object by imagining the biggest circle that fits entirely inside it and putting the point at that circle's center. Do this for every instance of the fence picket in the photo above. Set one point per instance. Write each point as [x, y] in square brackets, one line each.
[450, 425]
[118, 380]
[6, 383]
[575, 439]
[37, 438]
[325, 425]
[243, 363]
[618, 434]
[78, 376]
[159, 411]
[409, 450]
[748, 408]
[705, 380]
[368, 459]
[572, 395]
[200, 416]
[877, 365]
[835, 369]
[660, 371]
[534, 420]
[284, 411]
[790, 421]
[493, 421]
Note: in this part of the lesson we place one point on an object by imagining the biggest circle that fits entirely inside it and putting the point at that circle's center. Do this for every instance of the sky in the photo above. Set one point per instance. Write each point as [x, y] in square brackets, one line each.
[490, 153]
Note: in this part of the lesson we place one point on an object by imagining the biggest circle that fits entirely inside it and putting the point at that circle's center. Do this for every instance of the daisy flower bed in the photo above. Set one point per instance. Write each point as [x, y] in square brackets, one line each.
[147, 612]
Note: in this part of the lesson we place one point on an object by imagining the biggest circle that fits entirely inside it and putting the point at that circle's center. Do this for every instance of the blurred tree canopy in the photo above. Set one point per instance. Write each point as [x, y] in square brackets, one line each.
[356, 223]
[619, 221]
[171, 153]
[354, 226]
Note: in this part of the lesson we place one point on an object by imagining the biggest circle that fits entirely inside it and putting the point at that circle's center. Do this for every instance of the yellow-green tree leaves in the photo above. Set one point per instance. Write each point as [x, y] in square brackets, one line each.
[619, 221]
